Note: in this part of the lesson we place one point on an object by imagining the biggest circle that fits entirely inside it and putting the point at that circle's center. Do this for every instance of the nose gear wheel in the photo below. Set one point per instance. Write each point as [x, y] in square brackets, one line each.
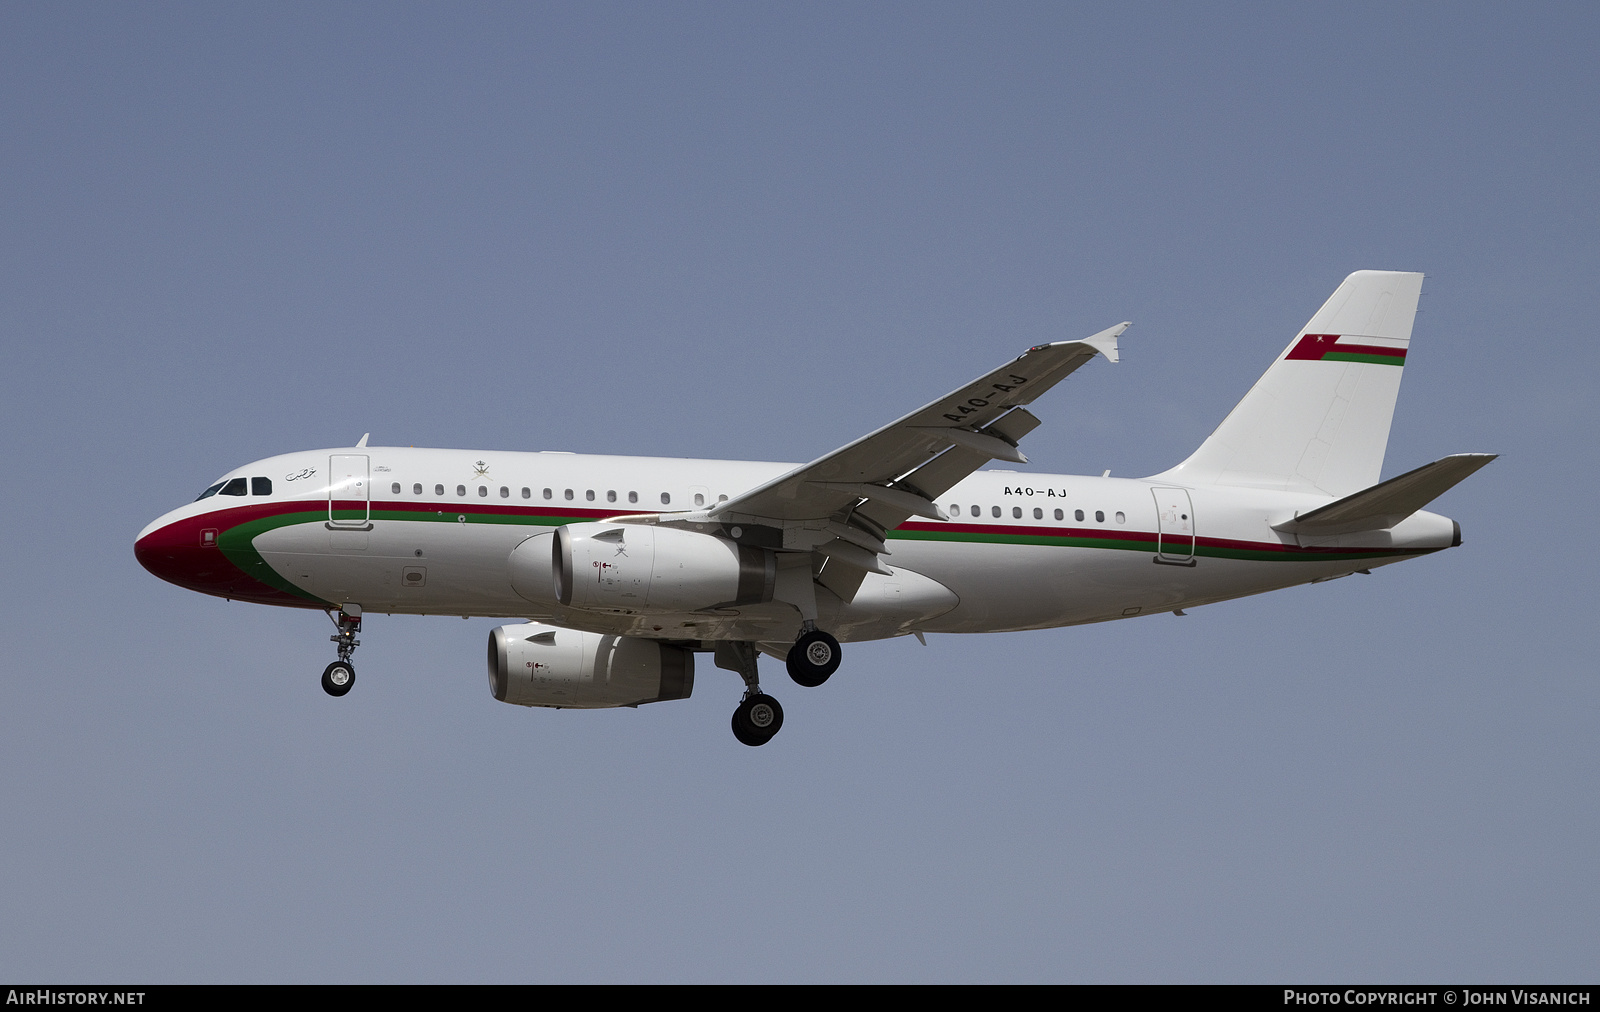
[338, 677]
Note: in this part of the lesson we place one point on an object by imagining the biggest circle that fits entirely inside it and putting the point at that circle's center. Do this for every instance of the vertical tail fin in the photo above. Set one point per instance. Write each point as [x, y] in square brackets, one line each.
[1318, 419]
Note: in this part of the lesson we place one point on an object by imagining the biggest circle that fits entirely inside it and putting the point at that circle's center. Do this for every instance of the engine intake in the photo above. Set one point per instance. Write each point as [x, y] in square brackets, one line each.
[639, 568]
[542, 665]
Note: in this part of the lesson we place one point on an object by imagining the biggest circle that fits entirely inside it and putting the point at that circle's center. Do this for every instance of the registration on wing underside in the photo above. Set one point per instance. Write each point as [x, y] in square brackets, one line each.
[925, 453]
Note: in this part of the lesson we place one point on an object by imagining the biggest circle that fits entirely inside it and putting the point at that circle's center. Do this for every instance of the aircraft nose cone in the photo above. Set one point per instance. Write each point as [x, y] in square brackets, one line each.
[185, 553]
[188, 552]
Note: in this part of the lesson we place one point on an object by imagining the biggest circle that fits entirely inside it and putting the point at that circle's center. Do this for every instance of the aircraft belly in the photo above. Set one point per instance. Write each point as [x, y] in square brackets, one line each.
[885, 606]
[1014, 587]
[1005, 587]
[417, 567]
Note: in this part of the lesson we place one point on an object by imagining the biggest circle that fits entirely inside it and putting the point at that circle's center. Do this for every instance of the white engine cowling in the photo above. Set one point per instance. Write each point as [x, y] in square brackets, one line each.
[542, 665]
[639, 568]
[531, 567]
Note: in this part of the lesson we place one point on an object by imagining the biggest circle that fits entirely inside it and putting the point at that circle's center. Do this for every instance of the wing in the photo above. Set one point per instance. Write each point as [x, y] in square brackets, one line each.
[842, 504]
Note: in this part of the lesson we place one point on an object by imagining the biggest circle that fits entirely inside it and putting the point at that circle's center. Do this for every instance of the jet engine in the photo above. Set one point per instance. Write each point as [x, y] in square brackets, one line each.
[640, 567]
[542, 665]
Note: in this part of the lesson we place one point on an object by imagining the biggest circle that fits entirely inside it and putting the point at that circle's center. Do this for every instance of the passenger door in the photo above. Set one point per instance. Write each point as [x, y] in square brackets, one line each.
[349, 492]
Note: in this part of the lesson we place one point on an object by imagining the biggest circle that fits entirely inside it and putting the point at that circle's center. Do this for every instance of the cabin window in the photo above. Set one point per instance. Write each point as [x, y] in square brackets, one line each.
[1099, 516]
[263, 486]
[234, 487]
[1122, 517]
[1038, 514]
[994, 511]
[213, 490]
[977, 511]
[589, 495]
[699, 499]
[505, 493]
[722, 498]
[548, 494]
[1016, 512]
[461, 490]
[395, 488]
[611, 495]
[954, 510]
[666, 498]
[1060, 515]
[527, 493]
[483, 491]
[633, 497]
[567, 494]
[438, 490]
[1077, 514]
[416, 489]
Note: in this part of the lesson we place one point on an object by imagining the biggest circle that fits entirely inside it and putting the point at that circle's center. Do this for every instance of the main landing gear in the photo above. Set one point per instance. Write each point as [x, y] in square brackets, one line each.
[814, 656]
[758, 716]
[338, 677]
[757, 719]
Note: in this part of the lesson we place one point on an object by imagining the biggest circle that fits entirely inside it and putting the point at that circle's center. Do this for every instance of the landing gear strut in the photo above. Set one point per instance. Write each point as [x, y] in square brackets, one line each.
[758, 716]
[338, 677]
[814, 656]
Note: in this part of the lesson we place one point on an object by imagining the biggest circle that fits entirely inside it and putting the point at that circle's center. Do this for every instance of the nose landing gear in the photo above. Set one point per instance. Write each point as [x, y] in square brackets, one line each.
[338, 677]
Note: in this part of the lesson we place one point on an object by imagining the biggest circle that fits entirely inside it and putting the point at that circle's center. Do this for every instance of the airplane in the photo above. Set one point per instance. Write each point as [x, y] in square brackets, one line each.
[622, 569]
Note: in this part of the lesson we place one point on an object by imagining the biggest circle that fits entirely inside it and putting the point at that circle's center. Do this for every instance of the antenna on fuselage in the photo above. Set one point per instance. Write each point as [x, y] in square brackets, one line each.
[363, 441]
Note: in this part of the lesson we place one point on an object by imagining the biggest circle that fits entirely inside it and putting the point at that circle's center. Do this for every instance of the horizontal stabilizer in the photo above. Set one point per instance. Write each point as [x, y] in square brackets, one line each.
[1388, 503]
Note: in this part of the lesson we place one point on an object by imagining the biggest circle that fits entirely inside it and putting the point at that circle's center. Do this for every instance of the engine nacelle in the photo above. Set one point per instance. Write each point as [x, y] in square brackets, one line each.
[531, 567]
[542, 665]
[640, 568]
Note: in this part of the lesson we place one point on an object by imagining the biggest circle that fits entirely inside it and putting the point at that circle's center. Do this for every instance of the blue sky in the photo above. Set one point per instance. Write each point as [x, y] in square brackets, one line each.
[759, 231]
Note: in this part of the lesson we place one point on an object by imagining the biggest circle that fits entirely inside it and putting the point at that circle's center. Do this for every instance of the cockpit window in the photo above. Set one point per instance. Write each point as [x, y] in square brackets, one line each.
[260, 486]
[234, 487]
[210, 491]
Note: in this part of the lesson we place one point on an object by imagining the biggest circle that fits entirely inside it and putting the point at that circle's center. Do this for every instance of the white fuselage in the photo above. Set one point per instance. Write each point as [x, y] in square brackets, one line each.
[429, 531]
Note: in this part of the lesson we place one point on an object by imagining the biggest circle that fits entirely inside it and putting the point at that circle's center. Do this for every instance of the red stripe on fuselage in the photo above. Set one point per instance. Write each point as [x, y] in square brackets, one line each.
[181, 553]
[1146, 537]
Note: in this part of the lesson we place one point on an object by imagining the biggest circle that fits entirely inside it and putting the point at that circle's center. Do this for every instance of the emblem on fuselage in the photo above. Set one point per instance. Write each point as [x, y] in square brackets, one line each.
[480, 469]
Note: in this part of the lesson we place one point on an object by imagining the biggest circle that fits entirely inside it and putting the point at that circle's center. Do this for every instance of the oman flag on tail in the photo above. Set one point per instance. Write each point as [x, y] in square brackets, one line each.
[1340, 348]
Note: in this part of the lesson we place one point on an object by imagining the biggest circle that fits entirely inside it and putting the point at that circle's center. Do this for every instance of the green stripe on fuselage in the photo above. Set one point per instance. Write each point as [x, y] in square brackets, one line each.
[238, 543]
[238, 547]
[1123, 545]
